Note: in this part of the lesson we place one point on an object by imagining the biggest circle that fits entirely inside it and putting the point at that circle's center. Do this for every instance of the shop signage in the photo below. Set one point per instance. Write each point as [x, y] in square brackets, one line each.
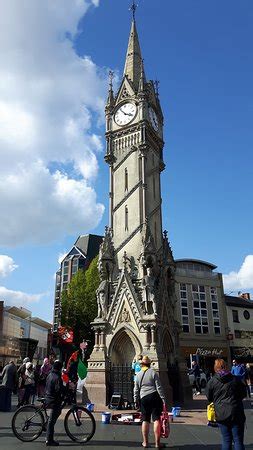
[209, 351]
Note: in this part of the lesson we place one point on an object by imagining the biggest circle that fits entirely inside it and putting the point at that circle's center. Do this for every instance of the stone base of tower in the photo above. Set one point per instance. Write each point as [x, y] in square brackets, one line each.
[96, 388]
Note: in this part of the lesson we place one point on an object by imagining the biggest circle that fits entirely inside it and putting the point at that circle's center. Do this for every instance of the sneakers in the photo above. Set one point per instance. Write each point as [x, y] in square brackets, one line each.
[52, 443]
[197, 393]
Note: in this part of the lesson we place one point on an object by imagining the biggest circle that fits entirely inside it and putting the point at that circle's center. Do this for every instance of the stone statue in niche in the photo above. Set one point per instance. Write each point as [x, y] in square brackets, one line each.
[149, 292]
[102, 299]
[125, 316]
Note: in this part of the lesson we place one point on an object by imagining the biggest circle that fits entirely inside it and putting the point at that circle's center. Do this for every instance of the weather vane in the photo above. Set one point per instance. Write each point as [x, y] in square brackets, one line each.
[133, 9]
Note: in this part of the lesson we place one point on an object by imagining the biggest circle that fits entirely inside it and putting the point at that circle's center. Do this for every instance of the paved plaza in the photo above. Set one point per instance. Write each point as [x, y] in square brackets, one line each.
[188, 432]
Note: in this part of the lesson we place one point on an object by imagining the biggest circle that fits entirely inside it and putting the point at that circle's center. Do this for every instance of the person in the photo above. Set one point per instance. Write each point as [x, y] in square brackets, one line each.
[53, 399]
[227, 392]
[9, 382]
[195, 370]
[29, 383]
[43, 374]
[136, 365]
[149, 395]
[21, 382]
[238, 370]
[248, 378]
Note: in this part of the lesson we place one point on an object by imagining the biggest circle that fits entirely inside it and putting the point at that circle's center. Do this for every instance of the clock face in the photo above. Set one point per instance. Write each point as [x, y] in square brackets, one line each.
[153, 119]
[125, 113]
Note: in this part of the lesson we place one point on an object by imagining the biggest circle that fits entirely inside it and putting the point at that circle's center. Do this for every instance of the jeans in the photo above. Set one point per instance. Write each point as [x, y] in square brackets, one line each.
[54, 414]
[232, 431]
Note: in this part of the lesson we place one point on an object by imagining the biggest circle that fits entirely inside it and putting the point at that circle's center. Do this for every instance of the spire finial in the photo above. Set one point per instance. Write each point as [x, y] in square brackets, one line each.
[133, 9]
[111, 76]
[157, 83]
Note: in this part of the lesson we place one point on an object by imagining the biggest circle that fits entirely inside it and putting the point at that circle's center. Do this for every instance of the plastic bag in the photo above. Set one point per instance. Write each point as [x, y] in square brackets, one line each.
[164, 423]
[211, 413]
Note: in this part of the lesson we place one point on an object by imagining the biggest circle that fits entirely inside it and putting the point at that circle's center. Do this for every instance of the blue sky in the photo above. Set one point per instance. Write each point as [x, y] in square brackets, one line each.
[53, 179]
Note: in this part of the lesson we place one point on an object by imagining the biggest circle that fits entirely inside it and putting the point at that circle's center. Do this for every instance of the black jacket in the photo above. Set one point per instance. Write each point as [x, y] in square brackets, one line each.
[227, 393]
[54, 389]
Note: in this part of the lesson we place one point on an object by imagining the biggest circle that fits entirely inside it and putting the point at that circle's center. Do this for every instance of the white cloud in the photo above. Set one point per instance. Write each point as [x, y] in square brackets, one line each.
[50, 99]
[18, 298]
[241, 280]
[6, 265]
[61, 257]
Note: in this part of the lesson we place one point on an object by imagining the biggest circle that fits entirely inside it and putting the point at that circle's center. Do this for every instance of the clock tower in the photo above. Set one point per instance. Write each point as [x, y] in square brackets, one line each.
[136, 296]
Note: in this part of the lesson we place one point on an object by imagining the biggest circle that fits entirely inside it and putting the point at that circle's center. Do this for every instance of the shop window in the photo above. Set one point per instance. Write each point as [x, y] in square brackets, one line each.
[235, 316]
[238, 334]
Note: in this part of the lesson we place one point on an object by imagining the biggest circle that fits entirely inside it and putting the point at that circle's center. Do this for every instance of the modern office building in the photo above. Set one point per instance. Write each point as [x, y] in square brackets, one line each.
[201, 311]
[22, 335]
[79, 257]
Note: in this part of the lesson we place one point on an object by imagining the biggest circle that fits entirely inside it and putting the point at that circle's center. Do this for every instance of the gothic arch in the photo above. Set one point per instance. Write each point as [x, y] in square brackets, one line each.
[167, 344]
[124, 346]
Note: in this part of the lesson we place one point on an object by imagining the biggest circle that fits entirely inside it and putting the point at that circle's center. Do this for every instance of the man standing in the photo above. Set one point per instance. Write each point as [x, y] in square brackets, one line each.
[53, 400]
[9, 383]
[238, 370]
[195, 371]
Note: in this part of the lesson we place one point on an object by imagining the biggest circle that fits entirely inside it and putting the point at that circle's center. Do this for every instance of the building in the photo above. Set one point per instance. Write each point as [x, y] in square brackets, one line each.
[202, 312]
[136, 296]
[22, 335]
[240, 323]
[81, 254]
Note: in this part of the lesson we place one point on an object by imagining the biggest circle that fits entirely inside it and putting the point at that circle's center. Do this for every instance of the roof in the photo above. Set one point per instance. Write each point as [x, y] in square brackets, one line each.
[41, 323]
[198, 261]
[133, 64]
[23, 313]
[238, 302]
[89, 245]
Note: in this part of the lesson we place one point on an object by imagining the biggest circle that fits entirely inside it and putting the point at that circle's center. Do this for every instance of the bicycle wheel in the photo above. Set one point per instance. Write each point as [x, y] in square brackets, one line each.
[79, 424]
[27, 423]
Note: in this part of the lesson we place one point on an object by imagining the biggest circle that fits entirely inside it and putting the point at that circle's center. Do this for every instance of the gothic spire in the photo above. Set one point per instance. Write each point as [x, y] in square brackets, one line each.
[110, 98]
[133, 65]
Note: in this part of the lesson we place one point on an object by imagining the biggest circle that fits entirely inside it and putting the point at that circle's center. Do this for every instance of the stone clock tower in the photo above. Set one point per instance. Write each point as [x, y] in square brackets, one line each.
[136, 296]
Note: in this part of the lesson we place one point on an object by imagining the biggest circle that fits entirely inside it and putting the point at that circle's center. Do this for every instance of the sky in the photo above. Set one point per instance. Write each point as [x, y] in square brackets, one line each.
[55, 58]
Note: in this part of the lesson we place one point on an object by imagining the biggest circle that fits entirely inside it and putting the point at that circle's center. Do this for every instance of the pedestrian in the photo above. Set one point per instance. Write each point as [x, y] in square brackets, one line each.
[136, 365]
[9, 384]
[53, 399]
[227, 392]
[249, 378]
[149, 395]
[43, 374]
[21, 381]
[29, 383]
[238, 370]
[195, 371]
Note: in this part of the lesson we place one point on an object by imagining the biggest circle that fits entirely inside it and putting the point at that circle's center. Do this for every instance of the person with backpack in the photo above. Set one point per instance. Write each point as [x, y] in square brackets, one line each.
[227, 392]
[149, 395]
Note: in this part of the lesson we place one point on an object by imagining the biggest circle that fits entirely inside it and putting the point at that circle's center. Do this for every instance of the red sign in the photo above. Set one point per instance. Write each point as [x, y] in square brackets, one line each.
[66, 335]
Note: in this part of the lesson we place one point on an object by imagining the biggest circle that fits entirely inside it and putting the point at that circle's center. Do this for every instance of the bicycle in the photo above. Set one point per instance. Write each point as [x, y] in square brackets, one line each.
[30, 421]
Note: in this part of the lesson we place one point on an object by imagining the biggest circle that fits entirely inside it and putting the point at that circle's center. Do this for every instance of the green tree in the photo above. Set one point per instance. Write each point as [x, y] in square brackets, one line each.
[79, 304]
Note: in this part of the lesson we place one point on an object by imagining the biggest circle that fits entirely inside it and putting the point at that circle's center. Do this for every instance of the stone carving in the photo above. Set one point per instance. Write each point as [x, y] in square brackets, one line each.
[102, 299]
[125, 316]
[124, 93]
[149, 292]
[106, 256]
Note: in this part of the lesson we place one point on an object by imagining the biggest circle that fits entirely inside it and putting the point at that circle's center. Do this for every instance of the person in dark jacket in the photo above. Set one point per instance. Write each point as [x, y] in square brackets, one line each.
[195, 371]
[9, 382]
[227, 392]
[53, 400]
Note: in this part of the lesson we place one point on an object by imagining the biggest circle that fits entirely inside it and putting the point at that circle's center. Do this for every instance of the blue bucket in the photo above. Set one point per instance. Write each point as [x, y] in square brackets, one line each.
[90, 407]
[176, 411]
[106, 417]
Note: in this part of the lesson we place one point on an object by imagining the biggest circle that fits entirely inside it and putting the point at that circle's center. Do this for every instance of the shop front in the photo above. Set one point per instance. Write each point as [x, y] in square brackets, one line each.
[242, 354]
[204, 355]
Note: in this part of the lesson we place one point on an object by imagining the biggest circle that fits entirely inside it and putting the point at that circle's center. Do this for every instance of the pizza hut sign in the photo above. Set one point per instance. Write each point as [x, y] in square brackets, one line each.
[209, 352]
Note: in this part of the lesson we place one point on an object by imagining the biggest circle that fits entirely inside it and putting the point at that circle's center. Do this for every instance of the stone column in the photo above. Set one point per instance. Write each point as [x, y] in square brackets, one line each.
[96, 346]
[153, 337]
[147, 343]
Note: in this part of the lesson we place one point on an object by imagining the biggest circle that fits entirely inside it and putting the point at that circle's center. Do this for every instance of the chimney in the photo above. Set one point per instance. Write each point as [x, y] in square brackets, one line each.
[245, 295]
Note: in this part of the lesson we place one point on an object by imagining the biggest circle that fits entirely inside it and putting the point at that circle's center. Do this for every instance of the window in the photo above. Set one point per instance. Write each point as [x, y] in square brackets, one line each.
[246, 314]
[200, 309]
[126, 218]
[184, 308]
[235, 315]
[238, 334]
[74, 267]
[126, 179]
[215, 310]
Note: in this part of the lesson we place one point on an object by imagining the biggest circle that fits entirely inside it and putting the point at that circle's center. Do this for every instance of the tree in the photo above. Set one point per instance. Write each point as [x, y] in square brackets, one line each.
[79, 304]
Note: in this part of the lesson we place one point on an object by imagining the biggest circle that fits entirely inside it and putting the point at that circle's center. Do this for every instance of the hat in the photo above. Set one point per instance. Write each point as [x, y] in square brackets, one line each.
[146, 361]
[26, 360]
